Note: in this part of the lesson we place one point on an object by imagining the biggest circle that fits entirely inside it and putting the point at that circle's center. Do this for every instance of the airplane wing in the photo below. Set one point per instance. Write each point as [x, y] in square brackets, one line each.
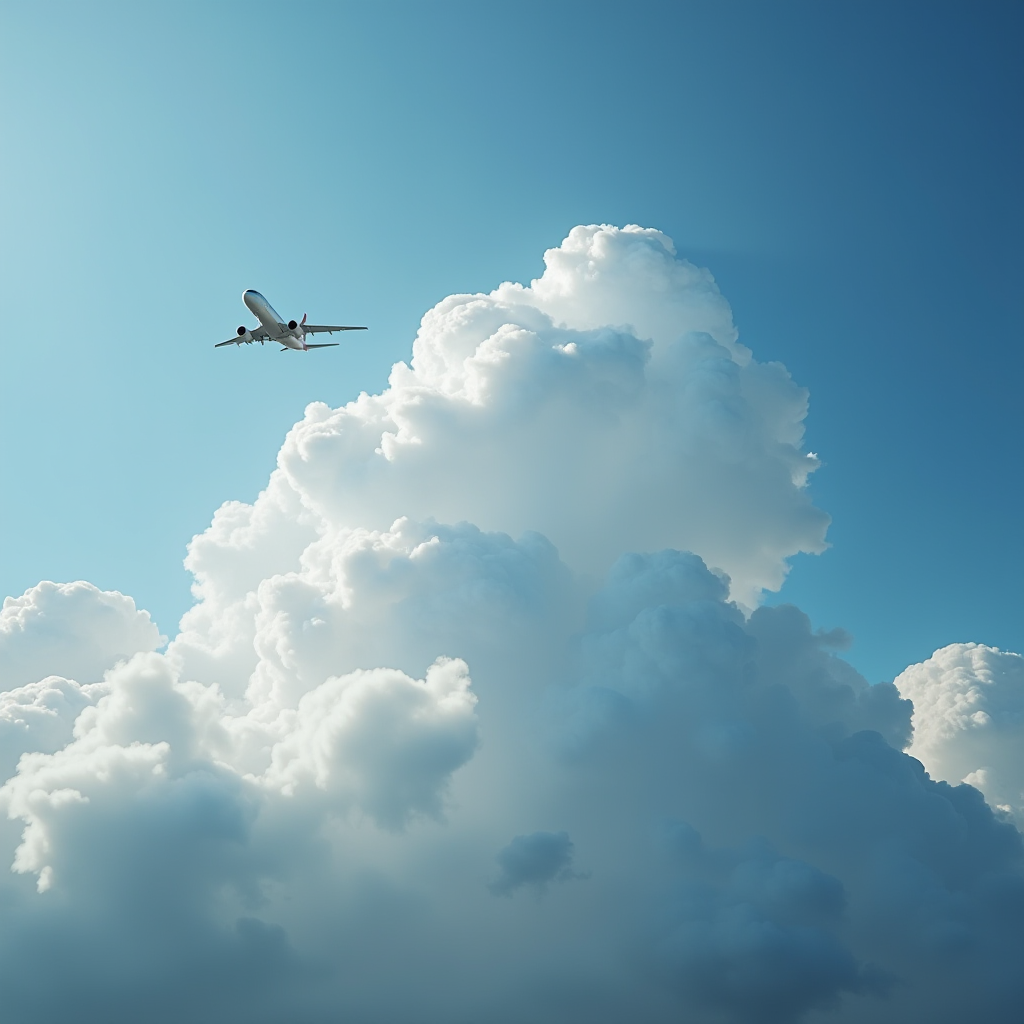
[320, 329]
[260, 336]
[329, 344]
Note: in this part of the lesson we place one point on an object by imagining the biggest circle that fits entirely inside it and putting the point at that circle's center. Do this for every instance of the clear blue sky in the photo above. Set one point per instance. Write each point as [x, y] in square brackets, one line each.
[851, 173]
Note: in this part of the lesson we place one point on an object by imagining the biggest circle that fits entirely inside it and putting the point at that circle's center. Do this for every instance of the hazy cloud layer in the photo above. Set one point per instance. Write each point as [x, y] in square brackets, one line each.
[456, 731]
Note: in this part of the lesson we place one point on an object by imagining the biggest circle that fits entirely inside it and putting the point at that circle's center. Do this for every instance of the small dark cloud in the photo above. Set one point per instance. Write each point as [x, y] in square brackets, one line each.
[535, 860]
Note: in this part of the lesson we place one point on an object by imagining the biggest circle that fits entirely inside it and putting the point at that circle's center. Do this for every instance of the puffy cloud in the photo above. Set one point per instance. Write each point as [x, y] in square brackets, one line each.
[461, 612]
[40, 717]
[969, 720]
[144, 728]
[888, 879]
[664, 617]
[56, 642]
[381, 740]
[608, 406]
[376, 741]
[400, 597]
[603, 275]
[71, 630]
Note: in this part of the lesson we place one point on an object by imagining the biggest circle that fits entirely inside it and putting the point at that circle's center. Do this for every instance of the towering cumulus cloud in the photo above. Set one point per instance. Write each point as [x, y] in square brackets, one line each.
[476, 716]
[969, 720]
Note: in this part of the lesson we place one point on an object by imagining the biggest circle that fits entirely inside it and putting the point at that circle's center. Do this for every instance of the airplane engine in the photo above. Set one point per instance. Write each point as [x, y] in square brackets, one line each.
[244, 335]
[292, 324]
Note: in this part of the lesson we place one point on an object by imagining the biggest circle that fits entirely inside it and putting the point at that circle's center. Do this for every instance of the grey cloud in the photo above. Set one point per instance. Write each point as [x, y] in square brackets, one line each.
[754, 935]
[731, 959]
[711, 720]
[663, 624]
[832, 694]
[534, 860]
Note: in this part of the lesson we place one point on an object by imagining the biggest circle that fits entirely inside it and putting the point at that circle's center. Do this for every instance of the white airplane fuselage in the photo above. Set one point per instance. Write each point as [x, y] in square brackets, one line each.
[279, 330]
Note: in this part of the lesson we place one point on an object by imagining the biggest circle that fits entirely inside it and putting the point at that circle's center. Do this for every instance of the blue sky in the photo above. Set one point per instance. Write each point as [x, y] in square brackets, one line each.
[849, 172]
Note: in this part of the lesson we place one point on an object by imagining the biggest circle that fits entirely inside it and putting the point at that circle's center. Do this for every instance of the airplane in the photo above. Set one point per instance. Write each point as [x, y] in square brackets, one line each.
[290, 334]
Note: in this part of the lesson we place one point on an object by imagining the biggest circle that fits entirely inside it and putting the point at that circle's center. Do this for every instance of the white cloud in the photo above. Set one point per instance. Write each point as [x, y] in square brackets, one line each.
[381, 741]
[455, 631]
[56, 642]
[608, 407]
[969, 720]
[40, 716]
[72, 630]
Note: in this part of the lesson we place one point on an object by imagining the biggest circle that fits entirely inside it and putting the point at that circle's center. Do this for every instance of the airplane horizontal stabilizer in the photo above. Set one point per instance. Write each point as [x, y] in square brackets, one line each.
[321, 328]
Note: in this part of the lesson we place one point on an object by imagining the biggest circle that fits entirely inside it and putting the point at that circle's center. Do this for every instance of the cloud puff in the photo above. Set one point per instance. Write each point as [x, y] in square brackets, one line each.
[664, 617]
[461, 611]
[534, 860]
[376, 741]
[56, 643]
[41, 716]
[969, 720]
[355, 598]
[71, 630]
[381, 740]
[608, 406]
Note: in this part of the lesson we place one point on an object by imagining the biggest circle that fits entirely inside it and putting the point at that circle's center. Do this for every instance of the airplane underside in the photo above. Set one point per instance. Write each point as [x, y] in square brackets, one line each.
[289, 335]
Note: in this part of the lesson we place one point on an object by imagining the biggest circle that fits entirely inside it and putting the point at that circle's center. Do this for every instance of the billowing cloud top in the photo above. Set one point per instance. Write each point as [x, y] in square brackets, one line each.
[608, 406]
[70, 629]
[969, 720]
[457, 730]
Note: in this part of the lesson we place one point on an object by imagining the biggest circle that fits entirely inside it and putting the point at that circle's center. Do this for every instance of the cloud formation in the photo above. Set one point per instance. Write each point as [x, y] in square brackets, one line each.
[534, 860]
[607, 406]
[56, 642]
[969, 720]
[71, 630]
[456, 650]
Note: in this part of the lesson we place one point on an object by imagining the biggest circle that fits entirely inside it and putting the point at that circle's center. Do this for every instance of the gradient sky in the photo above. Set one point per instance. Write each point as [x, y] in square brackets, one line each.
[849, 172]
